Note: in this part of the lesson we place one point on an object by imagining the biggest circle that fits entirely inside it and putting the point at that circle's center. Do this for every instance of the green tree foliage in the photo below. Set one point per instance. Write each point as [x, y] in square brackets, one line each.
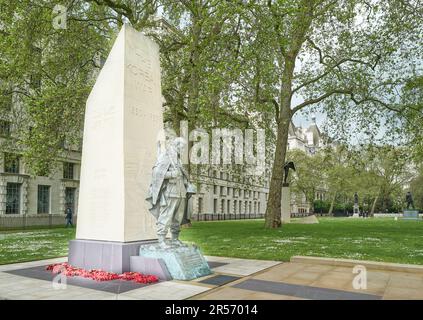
[309, 175]
[341, 56]
[379, 174]
[48, 72]
[386, 170]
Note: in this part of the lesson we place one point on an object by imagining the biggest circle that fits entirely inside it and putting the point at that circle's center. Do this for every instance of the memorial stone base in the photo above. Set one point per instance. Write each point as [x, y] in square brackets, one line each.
[110, 256]
[356, 212]
[286, 204]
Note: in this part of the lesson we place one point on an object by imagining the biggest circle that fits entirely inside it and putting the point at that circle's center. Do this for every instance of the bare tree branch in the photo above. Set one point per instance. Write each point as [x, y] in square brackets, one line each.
[336, 65]
[322, 97]
[275, 104]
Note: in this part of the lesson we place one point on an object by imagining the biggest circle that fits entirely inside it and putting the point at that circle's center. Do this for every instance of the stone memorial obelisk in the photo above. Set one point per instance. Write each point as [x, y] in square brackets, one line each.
[122, 120]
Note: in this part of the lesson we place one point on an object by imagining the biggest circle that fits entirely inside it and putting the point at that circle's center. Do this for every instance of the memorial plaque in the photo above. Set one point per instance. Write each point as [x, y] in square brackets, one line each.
[182, 263]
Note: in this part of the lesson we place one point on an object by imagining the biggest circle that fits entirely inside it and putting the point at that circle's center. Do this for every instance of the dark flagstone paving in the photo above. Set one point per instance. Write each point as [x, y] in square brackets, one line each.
[114, 286]
[219, 280]
[300, 291]
[215, 264]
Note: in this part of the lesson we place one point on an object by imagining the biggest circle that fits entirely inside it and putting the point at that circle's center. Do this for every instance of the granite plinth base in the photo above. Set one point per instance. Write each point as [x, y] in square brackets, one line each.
[356, 211]
[182, 263]
[105, 255]
[152, 266]
[286, 204]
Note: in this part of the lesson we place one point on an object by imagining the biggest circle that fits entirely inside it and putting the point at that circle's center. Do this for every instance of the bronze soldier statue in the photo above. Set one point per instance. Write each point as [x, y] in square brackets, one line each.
[168, 193]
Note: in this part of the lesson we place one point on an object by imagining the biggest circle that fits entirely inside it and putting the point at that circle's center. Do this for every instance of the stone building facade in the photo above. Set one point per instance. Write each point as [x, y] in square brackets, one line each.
[27, 200]
[224, 195]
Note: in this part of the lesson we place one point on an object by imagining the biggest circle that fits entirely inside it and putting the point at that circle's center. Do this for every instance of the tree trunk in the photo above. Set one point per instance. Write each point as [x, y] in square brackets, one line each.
[303, 22]
[311, 204]
[332, 204]
[273, 209]
[374, 206]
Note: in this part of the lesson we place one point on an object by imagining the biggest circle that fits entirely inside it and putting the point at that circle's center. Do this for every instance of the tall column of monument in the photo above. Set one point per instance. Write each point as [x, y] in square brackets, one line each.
[122, 120]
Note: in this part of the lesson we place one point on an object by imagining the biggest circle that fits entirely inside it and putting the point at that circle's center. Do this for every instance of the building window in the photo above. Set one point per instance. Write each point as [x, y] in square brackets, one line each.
[222, 205]
[13, 198]
[215, 206]
[215, 189]
[259, 211]
[70, 198]
[11, 163]
[222, 191]
[240, 207]
[68, 169]
[228, 207]
[235, 206]
[229, 191]
[200, 205]
[5, 128]
[43, 199]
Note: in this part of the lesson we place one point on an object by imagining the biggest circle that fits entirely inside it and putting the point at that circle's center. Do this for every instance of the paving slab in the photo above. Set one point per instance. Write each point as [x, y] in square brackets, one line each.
[219, 280]
[310, 279]
[305, 292]
[232, 279]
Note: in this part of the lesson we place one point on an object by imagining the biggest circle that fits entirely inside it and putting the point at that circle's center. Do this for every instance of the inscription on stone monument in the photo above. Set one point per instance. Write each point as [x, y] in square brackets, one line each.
[123, 118]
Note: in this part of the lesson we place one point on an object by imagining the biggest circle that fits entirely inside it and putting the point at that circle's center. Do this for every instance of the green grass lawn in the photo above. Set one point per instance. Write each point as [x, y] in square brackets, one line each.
[370, 239]
[365, 239]
[34, 244]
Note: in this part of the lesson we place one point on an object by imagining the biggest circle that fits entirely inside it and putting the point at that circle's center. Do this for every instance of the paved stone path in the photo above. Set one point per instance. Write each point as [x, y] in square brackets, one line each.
[232, 279]
[322, 280]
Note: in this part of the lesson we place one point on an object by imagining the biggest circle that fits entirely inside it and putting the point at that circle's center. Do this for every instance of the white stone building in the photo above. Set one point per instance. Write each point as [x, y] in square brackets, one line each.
[308, 139]
[225, 195]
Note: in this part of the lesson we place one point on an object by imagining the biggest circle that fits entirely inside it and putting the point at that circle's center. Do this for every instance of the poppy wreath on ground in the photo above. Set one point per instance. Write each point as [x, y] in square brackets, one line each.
[99, 275]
